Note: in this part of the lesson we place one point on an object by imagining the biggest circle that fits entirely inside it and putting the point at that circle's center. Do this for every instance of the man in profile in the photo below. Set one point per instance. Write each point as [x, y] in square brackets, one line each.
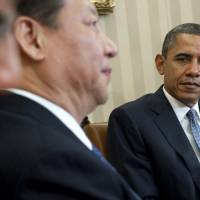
[9, 61]
[44, 152]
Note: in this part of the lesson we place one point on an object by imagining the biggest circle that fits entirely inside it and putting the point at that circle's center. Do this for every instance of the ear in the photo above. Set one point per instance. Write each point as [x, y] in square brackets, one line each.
[29, 37]
[160, 63]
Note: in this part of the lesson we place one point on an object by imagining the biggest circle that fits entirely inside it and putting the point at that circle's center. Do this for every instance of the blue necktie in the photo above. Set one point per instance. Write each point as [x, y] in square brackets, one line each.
[195, 128]
[102, 158]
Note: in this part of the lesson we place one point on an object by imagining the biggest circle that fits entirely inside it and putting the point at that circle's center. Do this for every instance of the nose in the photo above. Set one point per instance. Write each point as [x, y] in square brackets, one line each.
[194, 69]
[110, 47]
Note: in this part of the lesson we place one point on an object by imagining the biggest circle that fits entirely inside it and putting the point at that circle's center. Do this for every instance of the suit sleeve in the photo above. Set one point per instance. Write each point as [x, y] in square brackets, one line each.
[127, 152]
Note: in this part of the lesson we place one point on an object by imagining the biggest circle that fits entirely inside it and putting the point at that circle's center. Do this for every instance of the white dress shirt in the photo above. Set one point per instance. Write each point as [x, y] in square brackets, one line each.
[65, 117]
[181, 110]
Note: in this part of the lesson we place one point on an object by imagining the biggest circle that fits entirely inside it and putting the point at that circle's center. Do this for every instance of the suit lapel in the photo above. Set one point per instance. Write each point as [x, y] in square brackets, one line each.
[10, 102]
[167, 121]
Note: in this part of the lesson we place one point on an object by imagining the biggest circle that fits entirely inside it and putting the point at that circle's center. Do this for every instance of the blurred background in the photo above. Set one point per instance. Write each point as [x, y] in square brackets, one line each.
[138, 27]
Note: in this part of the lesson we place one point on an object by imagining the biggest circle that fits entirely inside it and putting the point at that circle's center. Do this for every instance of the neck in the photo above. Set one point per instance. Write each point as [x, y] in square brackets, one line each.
[77, 105]
[43, 81]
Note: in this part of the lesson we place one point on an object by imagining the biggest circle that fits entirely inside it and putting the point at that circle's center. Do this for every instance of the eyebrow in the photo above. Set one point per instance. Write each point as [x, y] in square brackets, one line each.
[182, 55]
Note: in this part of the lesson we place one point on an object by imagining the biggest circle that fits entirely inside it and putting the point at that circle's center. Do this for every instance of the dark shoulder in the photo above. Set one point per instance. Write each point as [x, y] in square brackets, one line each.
[138, 104]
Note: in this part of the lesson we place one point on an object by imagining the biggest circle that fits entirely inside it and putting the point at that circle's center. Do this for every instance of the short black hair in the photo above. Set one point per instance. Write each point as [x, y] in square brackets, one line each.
[170, 38]
[43, 11]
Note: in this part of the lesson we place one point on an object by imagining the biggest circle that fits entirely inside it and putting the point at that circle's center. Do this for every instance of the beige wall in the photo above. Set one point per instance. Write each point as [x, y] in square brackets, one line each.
[138, 28]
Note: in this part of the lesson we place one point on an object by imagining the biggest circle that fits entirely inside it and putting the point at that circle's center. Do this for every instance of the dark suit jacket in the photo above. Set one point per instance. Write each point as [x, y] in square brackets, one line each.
[150, 149]
[40, 159]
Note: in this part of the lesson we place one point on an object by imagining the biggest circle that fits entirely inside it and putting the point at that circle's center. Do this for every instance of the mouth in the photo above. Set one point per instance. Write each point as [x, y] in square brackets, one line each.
[107, 71]
[190, 84]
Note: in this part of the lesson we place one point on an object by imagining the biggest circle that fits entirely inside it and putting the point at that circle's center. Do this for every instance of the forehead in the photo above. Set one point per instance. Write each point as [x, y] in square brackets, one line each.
[186, 42]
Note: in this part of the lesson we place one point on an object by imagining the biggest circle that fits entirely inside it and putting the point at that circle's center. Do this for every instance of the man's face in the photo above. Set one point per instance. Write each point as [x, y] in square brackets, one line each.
[9, 62]
[181, 69]
[79, 52]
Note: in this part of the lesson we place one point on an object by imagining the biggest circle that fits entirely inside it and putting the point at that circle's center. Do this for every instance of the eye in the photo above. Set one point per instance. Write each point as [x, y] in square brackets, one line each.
[183, 59]
[94, 23]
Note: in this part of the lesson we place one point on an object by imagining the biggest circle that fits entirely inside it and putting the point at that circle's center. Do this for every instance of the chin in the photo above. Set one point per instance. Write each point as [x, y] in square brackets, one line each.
[100, 94]
[101, 99]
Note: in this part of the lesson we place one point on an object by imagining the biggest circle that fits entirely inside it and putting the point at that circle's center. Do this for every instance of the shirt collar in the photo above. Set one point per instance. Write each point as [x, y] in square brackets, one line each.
[65, 117]
[179, 108]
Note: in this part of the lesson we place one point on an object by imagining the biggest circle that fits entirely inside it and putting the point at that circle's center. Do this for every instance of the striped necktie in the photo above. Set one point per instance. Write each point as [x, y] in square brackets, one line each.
[195, 128]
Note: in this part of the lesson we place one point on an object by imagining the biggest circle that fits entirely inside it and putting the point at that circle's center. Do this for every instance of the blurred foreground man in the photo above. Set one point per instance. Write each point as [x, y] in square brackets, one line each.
[154, 141]
[44, 153]
[9, 63]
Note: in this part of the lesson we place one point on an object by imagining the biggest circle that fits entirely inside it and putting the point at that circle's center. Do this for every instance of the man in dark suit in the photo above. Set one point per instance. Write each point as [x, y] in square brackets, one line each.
[150, 140]
[44, 153]
[9, 60]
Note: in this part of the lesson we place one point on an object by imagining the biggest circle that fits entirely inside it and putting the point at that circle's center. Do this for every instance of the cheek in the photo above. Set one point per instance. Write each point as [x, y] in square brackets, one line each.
[9, 54]
[92, 49]
[87, 74]
[172, 74]
[10, 70]
[93, 64]
[5, 53]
